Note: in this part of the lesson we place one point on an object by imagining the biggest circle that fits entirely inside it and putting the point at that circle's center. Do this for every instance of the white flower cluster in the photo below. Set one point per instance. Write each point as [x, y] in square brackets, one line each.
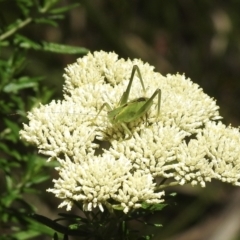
[99, 165]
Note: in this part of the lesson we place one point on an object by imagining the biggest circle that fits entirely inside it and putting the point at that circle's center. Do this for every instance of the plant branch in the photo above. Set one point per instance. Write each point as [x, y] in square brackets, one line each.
[15, 29]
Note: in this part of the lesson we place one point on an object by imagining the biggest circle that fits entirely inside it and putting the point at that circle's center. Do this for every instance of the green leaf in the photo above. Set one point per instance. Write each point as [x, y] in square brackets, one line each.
[46, 21]
[39, 178]
[26, 43]
[11, 194]
[60, 48]
[153, 207]
[22, 83]
[4, 43]
[50, 20]
[47, 5]
[7, 166]
[25, 6]
[13, 126]
[64, 9]
[11, 67]
[14, 24]
[157, 225]
[26, 234]
[117, 207]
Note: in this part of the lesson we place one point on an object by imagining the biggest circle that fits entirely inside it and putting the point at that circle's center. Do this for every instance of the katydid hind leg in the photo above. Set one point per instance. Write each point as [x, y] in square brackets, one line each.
[149, 103]
[125, 95]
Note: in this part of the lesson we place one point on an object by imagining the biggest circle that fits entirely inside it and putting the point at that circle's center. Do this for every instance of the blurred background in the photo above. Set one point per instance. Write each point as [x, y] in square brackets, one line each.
[198, 38]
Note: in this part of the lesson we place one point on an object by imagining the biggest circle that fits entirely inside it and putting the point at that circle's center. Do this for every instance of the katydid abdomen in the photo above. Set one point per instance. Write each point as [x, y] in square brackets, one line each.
[129, 111]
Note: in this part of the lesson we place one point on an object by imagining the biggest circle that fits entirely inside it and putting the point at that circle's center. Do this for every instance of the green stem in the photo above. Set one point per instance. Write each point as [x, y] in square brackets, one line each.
[15, 29]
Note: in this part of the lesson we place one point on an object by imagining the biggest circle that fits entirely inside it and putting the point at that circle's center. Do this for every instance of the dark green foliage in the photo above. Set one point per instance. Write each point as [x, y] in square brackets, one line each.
[21, 169]
[103, 225]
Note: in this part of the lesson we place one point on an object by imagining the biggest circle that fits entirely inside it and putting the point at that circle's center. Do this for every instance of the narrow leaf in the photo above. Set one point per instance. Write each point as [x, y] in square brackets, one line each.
[60, 48]
[64, 9]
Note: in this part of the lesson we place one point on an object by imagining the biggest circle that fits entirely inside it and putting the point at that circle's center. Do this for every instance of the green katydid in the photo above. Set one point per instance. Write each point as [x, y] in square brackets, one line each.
[126, 111]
